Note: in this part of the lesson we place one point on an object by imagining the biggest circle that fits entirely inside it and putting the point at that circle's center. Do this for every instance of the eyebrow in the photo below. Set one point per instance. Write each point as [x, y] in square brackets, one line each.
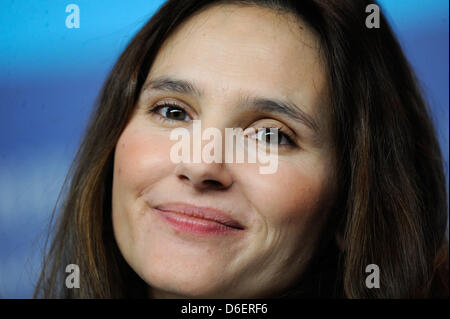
[285, 108]
[173, 85]
[261, 104]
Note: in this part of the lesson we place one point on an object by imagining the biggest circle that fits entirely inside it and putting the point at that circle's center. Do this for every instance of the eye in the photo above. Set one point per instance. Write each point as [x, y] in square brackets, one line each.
[271, 135]
[170, 112]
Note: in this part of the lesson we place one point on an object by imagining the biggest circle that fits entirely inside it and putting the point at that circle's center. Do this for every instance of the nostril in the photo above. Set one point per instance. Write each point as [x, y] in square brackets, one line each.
[211, 182]
[183, 177]
[207, 182]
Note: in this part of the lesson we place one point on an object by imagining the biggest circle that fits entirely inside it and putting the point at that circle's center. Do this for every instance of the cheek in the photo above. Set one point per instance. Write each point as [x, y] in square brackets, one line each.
[291, 214]
[294, 194]
[141, 157]
[140, 161]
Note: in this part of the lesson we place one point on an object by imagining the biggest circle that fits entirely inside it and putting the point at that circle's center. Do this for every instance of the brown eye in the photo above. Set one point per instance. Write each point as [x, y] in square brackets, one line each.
[270, 135]
[171, 112]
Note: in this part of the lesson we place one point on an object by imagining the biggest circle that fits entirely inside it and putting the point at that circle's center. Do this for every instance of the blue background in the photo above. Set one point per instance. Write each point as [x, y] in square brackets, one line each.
[50, 76]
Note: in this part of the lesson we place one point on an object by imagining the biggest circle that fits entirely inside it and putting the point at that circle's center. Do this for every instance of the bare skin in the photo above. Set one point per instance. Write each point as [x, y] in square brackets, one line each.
[230, 53]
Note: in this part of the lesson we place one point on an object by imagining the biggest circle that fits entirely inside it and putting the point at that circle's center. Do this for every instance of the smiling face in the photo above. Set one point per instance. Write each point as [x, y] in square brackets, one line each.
[218, 67]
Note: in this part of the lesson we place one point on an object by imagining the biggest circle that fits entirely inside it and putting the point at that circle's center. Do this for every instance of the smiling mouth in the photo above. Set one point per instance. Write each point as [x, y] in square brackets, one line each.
[199, 220]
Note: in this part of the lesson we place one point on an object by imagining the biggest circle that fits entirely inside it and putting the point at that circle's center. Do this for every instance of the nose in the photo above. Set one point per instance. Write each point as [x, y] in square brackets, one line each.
[203, 176]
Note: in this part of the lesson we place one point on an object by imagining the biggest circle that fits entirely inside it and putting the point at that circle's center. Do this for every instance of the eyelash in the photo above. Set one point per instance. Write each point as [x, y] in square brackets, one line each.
[289, 137]
[155, 112]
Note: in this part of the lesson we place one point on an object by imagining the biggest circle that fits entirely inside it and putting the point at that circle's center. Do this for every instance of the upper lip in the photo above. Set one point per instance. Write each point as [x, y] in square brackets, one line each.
[206, 213]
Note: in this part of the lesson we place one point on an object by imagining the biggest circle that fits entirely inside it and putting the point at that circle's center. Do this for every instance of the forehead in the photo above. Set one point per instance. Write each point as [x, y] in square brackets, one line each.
[231, 49]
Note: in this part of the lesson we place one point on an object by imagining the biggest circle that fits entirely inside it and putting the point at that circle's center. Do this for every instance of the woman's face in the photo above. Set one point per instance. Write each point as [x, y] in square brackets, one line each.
[213, 69]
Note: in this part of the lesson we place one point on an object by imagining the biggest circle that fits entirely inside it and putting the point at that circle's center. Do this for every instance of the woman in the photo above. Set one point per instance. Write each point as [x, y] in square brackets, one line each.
[359, 178]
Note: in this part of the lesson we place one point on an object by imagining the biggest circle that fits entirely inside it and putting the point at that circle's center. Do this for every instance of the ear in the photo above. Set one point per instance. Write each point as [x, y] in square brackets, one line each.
[340, 241]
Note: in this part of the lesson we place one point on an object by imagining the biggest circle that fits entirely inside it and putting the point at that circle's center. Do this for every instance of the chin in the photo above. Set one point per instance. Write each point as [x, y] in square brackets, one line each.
[191, 290]
[188, 284]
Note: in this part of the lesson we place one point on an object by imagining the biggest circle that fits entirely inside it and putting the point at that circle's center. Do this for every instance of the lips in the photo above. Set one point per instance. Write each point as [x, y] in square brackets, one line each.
[199, 217]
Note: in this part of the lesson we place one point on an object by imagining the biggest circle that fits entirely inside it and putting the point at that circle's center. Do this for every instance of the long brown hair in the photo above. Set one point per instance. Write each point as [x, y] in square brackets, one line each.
[392, 206]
